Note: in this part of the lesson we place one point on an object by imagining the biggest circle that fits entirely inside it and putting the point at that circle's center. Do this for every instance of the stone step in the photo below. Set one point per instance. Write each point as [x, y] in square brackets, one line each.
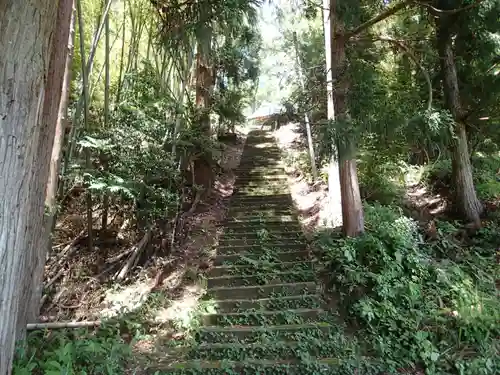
[263, 318]
[269, 214]
[249, 366]
[261, 278]
[307, 301]
[260, 249]
[256, 292]
[276, 199]
[246, 270]
[254, 334]
[256, 205]
[256, 258]
[266, 350]
[257, 219]
[259, 235]
[265, 241]
[255, 173]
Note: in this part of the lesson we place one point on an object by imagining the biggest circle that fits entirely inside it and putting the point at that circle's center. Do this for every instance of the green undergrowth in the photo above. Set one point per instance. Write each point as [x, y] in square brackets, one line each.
[418, 304]
[485, 174]
[382, 178]
[105, 350]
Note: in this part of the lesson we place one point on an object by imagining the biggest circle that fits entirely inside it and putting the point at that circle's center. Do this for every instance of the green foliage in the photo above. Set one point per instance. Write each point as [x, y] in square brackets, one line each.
[73, 352]
[485, 173]
[133, 161]
[414, 307]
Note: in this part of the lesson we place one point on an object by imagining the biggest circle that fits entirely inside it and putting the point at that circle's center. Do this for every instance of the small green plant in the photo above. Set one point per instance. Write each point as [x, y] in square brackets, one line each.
[73, 352]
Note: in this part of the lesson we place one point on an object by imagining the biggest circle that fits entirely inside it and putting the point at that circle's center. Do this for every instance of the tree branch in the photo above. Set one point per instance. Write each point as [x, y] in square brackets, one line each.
[396, 8]
[445, 12]
[382, 16]
[410, 54]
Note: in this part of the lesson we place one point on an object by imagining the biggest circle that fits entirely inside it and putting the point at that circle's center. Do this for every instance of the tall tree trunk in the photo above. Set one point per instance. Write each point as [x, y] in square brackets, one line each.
[204, 78]
[54, 111]
[52, 100]
[466, 201]
[334, 196]
[298, 68]
[25, 147]
[352, 206]
[62, 119]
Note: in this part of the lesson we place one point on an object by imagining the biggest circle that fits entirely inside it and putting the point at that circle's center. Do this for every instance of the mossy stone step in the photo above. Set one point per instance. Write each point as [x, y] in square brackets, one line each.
[273, 303]
[270, 350]
[265, 214]
[272, 239]
[261, 236]
[261, 278]
[263, 291]
[257, 206]
[252, 259]
[264, 318]
[251, 221]
[323, 366]
[254, 334]
[251, 224]
[277, 247]
[248, 270]
[276, 199]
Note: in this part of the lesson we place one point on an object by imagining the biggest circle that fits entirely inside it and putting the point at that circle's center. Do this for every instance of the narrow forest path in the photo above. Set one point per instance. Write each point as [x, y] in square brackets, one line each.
[267, 315]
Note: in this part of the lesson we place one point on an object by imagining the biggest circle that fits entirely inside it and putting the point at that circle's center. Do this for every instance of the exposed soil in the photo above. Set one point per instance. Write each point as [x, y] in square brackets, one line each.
[82, 284]
[311, 199]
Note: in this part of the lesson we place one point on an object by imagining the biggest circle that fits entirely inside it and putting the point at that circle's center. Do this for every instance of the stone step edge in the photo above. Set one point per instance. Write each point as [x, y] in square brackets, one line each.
[260, 301]
[204, 364]
[258, 329]
[285, 254]
[270, 272]
[229, 267]
[226, 288]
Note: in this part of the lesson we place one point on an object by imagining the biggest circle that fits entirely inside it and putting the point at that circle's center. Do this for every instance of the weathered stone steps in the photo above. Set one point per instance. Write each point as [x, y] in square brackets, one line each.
[264, 309]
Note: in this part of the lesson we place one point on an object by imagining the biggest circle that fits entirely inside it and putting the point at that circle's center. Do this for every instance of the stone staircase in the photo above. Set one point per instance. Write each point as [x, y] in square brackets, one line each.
[266, 314]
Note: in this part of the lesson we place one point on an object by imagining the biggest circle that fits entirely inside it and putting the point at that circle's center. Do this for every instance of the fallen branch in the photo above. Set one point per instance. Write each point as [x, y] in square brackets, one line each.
[120, 256]
[137, 250]
[54, 279]
[60, 325]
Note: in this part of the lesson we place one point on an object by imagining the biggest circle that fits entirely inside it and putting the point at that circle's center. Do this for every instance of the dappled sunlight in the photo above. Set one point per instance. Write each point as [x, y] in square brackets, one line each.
[310, 200]
[122, 300]
[180, 313]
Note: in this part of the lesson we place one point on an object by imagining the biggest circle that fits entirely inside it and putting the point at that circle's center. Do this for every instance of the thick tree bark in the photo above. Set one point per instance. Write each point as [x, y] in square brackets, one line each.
[466, 202]
[352, 206]
[52, 125]
[26, 28]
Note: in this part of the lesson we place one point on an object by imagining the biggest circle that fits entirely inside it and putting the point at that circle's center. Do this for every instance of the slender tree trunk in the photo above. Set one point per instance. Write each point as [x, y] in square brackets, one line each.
[466, 201]
[334, 196]
[105, 200]
[298, 68]
[25, 45]
[85, 84]
[55, 160]
[204, 79]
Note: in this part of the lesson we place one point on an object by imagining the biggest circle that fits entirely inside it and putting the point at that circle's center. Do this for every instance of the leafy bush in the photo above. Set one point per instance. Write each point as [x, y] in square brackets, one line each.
[485, 173]
[71, 352]
[380, 178]
[414, 308]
